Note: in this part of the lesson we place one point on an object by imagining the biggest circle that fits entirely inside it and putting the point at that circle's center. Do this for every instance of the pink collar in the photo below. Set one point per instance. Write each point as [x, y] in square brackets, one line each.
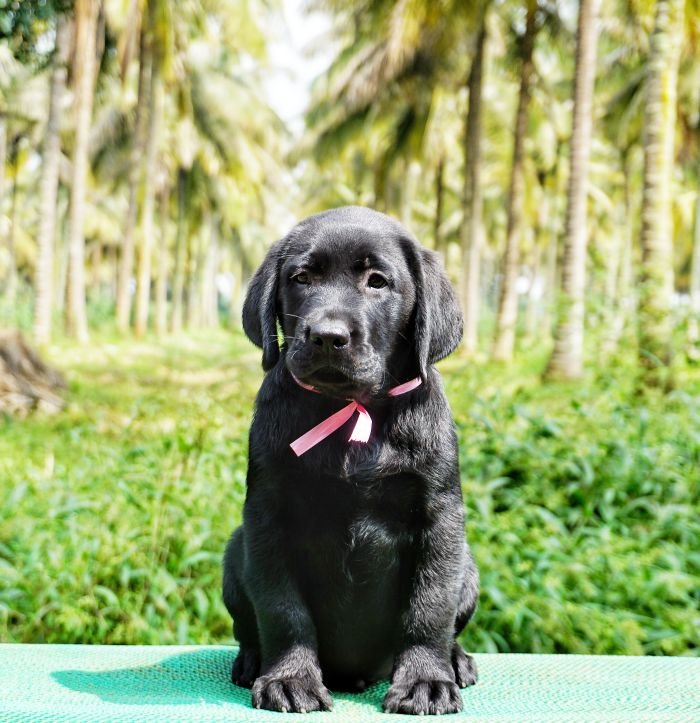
[362, 428]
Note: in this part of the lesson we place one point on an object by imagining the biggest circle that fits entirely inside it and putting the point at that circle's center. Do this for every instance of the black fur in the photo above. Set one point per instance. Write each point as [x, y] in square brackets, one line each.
[351, 563]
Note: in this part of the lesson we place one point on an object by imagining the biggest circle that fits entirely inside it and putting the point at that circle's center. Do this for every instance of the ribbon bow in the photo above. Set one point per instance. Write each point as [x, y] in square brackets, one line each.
[362, 428]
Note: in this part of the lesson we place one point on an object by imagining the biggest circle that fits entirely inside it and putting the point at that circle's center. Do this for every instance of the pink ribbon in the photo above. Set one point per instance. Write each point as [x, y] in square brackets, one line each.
[363, 426]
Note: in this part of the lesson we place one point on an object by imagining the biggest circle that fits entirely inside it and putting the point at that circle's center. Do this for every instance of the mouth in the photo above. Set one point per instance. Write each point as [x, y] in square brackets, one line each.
[331, 375]
[343, 378]
[330, 380]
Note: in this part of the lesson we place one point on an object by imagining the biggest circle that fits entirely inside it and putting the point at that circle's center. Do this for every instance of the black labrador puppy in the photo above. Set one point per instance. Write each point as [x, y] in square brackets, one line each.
[351, 564]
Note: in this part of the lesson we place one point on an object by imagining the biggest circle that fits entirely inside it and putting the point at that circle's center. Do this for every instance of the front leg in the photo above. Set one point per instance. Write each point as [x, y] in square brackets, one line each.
[423, 678]
[290, 675]
[292, 683]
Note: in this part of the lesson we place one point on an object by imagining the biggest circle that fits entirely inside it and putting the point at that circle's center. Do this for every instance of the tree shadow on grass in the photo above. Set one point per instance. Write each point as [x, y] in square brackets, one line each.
[188, 678]
[192, 678]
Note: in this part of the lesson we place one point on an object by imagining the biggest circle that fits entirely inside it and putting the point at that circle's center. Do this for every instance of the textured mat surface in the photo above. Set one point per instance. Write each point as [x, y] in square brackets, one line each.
[164, 683]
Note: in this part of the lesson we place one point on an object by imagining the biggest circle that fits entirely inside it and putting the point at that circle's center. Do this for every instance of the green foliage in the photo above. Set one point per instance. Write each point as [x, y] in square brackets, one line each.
[583, 512]
[22, 23]
[114, 515]
[582, 502]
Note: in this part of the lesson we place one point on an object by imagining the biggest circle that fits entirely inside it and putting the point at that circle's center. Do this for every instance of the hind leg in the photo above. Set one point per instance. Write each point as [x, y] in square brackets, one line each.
[464, 667]
[246, 667]
[463, 664]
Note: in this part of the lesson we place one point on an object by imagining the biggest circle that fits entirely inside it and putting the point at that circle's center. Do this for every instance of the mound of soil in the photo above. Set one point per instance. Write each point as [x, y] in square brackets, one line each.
[26, 381]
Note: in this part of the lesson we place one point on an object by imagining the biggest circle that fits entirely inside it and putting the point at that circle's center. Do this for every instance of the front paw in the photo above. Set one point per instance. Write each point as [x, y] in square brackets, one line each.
[421, 697]
[291, 694]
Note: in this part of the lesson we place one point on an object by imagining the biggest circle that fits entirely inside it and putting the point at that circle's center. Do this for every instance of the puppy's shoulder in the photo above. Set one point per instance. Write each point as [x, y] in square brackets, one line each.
[425, 414]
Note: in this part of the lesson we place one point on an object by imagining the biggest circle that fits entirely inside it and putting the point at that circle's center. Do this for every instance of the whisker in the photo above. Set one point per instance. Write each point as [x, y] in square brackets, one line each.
[391, 376]
[284, 336]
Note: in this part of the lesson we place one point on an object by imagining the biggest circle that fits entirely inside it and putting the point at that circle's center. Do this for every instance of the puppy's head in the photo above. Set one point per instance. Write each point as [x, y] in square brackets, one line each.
[361, 304]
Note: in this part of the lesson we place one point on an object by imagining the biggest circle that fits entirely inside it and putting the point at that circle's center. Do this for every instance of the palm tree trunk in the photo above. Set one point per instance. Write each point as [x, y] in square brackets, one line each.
[471, 199]
[63, 260]
[508, 302]
[3, 157]
[113, 264]
[550, 284]
[439, 204]
[12, 278]
[208, 289]
[161, 320]
[143, 286]
[126, 260]
[179, 276]
[613, 264]
[379, 187]
[619, 291]
[408, 191]
[537, 309]
[625, 302]
[694, 318]
[43, 281]
[533, 305]
[193, 272]
[656, 287]
[86, 12]
[236, 300]
[96, 277]
[566, 361]
[552, 191]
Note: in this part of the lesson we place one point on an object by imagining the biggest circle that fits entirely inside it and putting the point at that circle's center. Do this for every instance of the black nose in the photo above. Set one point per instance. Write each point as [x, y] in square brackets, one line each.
[330, 335]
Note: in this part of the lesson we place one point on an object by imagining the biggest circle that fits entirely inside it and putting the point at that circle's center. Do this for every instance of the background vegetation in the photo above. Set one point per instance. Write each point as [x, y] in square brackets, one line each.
[547, 150]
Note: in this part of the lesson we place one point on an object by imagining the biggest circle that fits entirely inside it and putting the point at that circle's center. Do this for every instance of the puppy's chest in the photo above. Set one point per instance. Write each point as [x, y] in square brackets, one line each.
[373, 518]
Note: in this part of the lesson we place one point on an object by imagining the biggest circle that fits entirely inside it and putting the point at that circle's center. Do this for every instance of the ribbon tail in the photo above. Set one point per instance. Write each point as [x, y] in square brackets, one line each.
[408, 386]
[363, 426]
[324, 429]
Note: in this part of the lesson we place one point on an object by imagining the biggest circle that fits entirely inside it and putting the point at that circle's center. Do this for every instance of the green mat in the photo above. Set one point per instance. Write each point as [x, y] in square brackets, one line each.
[176, 683]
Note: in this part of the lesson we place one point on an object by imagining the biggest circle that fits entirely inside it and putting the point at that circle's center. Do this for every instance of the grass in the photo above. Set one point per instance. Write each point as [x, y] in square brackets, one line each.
[583, 502]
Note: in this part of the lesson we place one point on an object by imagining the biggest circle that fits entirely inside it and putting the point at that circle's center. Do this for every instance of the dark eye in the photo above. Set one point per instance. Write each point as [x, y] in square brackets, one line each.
[376, 281]
[302, 278]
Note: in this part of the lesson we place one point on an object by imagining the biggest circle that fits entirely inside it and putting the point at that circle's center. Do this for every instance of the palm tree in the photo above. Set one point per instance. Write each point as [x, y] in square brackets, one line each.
[624, 67]
[149, 26]
[43, 283]
[138, 143]
[383, 88]
[508, 302]
[86, 14]
[143, 285]
[18, 116]
[12, 275]
[194, 275]
[203, 142]
[3, 156]
[620, 283]
[471, 229]
[161, 315]
[180, 233]
[438, 237]
[566, 360]
[656, 283]
[694, 318]
[159, 49]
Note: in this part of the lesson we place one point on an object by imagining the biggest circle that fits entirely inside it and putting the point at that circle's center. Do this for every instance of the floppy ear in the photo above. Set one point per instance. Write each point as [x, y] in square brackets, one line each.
[437, 318]
[260, 307]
